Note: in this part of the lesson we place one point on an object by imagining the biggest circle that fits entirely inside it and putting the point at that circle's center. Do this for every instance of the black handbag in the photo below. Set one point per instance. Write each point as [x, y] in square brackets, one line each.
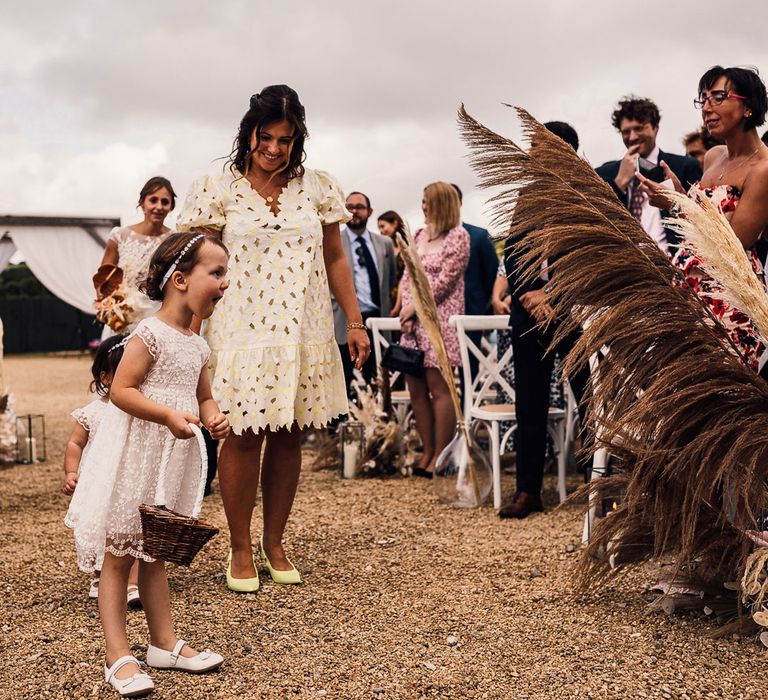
[396, 358]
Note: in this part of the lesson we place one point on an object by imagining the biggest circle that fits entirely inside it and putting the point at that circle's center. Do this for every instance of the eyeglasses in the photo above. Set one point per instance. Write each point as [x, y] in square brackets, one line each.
[360, 257]
[356, 207]
[716, 98]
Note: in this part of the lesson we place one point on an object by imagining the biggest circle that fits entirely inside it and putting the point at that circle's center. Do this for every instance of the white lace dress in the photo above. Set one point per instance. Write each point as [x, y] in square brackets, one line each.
[274, 356]
[129, 457]
[134, 252]
[89, 417]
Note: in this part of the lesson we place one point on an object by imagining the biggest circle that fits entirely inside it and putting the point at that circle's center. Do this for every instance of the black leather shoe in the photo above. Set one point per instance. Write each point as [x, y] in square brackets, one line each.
[522, 505]
[423, 473]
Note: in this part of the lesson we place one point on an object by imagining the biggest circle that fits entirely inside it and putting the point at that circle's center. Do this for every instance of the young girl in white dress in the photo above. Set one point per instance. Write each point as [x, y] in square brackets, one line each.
[87, 420]
[142, 449]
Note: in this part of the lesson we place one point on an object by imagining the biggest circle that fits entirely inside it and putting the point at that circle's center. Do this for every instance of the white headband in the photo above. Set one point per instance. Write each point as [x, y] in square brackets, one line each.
[176, 262]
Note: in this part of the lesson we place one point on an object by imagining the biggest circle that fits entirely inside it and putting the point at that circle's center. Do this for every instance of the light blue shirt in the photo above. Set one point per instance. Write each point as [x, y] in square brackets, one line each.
[360, 272]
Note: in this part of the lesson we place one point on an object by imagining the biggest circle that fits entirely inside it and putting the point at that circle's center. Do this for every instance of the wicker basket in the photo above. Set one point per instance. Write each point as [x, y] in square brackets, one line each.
[171, 536]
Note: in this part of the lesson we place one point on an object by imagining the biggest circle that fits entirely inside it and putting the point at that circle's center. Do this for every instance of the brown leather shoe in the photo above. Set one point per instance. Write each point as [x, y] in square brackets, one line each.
[522, 505]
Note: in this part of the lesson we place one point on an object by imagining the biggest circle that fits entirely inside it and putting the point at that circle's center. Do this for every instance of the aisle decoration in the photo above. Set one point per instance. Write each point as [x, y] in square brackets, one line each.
[674, 403]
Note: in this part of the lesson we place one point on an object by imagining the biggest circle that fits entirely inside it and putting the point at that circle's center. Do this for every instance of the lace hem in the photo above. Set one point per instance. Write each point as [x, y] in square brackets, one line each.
[90, 558]
[275, 387]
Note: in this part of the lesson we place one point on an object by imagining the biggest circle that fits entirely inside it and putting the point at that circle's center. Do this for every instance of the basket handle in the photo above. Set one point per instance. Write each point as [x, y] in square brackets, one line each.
[203, 469]
[160, 494]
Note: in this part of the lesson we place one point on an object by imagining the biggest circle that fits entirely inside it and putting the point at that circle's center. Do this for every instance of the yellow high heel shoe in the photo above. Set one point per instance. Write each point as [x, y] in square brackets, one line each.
[241, 585]
[285, 577]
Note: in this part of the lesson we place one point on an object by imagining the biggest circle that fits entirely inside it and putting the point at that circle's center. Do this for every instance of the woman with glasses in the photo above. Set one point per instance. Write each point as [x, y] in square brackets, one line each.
[443, 246]
[733, 104]
[276, 365]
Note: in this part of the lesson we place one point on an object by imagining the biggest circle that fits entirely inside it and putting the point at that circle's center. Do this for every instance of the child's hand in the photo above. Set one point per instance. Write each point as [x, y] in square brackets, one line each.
[177, 422]
[70, 481]
[218, 426]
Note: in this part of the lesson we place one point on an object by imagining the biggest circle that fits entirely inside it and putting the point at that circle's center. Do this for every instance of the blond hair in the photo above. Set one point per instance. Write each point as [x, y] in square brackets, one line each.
[443, 207]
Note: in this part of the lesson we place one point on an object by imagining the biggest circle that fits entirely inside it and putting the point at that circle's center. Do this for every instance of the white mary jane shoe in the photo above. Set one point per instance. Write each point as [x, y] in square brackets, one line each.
[137, 684]
[173, 660]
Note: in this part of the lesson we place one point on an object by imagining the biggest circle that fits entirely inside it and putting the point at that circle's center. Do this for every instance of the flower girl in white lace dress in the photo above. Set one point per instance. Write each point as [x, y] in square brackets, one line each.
[142, 449]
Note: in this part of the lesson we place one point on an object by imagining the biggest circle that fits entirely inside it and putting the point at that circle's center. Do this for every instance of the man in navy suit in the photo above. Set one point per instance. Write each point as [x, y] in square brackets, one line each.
[533, 364]
[479, 277]
[637, 120]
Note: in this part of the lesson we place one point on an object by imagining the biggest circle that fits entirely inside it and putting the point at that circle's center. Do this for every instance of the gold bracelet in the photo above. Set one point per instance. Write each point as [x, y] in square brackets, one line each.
[355, 327]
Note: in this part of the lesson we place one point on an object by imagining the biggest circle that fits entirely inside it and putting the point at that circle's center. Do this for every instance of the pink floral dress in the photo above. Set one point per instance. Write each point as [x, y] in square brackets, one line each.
[740, 328]
[445, 270]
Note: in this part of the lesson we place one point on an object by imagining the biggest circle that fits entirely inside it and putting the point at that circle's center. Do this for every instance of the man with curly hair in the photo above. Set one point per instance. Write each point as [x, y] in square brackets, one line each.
[637, 121]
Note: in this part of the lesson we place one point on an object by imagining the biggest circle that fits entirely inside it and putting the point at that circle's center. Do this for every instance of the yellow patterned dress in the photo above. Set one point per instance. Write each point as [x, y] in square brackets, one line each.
[274, 357]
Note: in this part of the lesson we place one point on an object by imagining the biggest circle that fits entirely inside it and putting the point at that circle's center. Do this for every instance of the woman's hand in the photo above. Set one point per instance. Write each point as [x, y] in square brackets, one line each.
[501, 306]
[70, 482]
[359, 346]
[178, 423]
[657, 191]
[218, 426]
[407, 314]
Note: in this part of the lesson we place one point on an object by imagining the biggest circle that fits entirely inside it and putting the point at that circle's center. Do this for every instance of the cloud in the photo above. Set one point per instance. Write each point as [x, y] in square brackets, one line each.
[97, 183]
[381, 81]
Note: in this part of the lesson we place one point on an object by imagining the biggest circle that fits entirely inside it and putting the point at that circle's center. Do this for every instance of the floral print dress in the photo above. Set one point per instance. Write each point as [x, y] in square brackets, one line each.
[740, 328]
[445, 270]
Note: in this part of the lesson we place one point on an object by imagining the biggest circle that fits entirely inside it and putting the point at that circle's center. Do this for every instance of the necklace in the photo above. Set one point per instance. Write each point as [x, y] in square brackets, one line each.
[727, 170]
[268, 198]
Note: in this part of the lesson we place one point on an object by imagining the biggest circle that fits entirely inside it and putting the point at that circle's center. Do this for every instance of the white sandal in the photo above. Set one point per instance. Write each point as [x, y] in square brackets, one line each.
[173, 660]
[134, 600]
[137, 684]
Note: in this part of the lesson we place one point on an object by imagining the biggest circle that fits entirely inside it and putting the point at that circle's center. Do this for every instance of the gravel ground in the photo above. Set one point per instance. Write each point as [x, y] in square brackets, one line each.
[403, 598]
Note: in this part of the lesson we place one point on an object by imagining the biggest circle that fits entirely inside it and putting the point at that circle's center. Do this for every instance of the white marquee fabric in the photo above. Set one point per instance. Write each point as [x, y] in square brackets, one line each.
[7, 249]
[63, 258]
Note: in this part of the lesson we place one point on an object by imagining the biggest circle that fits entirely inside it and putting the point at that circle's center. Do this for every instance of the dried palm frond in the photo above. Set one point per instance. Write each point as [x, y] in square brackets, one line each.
[426, 310]
[325, 453]
[672, 401]
[383, 434]
[707, 232]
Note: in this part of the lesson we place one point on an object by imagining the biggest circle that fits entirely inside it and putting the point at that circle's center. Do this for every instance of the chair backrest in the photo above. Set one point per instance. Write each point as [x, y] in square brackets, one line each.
[379, 326]
[490, 372]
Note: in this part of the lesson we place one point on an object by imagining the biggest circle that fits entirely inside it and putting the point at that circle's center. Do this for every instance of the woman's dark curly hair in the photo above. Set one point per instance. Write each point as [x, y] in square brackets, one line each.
[637, 108]
[165, 256]
[105, 362]
[274, 103]
[745, 82]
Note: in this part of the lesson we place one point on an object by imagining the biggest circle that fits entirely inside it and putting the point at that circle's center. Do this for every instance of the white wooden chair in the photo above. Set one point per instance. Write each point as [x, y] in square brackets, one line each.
[401, 400]
[600, 458]
[481, 390]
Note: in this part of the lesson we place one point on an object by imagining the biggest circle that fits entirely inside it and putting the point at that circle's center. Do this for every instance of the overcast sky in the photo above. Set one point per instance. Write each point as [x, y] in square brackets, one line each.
[98, 96]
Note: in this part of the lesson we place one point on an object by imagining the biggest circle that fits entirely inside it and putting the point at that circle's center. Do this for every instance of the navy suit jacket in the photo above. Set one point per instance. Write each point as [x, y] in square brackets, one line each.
[518, 316]
[687, 169]
[480, 275]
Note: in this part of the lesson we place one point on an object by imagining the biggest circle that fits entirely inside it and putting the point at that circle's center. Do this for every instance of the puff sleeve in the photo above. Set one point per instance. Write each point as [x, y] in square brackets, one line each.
[146, 334]
[202, 206]
[331, 203]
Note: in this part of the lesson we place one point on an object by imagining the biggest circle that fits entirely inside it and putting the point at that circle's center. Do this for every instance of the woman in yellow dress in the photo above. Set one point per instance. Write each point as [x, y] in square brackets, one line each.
[276, 366]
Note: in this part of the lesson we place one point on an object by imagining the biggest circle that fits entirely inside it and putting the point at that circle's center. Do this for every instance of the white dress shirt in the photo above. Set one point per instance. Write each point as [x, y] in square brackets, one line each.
[650, 218]
[360, 272]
